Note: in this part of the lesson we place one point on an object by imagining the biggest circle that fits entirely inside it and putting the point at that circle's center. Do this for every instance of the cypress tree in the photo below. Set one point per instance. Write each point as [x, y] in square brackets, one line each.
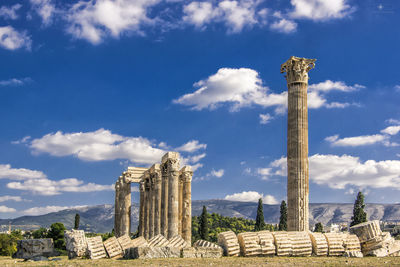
[359, 215]
[283, 218]
[77, 219]
[203, 224]
[260, 224]
[319, 228]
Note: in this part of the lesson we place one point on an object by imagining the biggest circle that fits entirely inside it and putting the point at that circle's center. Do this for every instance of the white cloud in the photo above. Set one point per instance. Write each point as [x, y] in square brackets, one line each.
[22, 141]
[238, 87]
[15, 82]
[48, 209]
[397, 87]
[97, 146]
[192, 146]
[95, 20]
[243, 87]
[252, 196]
[340, 171]
[329, 85]
[218, 173]
[11, 39]
[393, 121]
[38, 183]
[284, 26]
[356, 140]
[12, 198]
[236, 15]
[193, 159]
[391, 130]
[265, 118]
[7, 209]
[264, 172]
[48, 187]
[45, 9]
[10, 12]
[321, 10]
[6, 172]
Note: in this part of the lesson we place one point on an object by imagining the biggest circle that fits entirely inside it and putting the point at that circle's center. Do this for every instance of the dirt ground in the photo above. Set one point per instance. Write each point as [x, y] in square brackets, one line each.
[225, 261]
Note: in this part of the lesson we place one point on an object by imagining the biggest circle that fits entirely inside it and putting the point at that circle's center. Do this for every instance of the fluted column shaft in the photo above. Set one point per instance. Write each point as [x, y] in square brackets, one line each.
[152, 207]
[186, 175]
[164, 201]
[180, 204]
[146, 209]
[172, 161]
[297, 142]
[117, 216]
[156, 172]
[141, 209]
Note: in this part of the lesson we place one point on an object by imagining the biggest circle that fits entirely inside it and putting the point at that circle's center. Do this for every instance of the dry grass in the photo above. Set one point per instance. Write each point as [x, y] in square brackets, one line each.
[225, 261]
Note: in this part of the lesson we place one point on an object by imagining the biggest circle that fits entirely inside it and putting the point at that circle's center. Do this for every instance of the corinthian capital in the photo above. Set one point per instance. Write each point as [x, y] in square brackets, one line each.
[297, 68]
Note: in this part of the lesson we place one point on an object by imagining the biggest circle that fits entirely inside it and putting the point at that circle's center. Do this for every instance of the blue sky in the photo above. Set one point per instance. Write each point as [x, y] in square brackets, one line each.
[88, 88]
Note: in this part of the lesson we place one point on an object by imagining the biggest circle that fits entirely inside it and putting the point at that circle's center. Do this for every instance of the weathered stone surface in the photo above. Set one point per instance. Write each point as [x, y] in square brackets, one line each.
[229, 242]
[353, 254]
[335, 244]
[319, 244]
[113, 248]
[158, 241]
[155, 252]
[202, 252]
[186, 178]
[75, 242]
[31, 248]
[266, 241]
[283, 244]
[139, 242]
[205, 244]
[177, 242]
[301, 243]
[296, 70]
[366, 231]
[351, 243]
[249, 244]
[125, 243]
[96, 248]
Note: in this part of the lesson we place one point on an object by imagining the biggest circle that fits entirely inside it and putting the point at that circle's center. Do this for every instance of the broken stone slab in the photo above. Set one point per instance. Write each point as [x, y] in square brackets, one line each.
[202, 252]
[366, 231]
[113, 248]
[154, 252]
[125, 243]
[96, 248]
[76, 244]
[31, 248]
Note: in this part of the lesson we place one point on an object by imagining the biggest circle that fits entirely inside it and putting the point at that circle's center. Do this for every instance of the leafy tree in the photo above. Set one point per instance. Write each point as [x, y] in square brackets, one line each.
[8, 242]
[203, 224]
[40, 233]
[56, 232]
[77, 219]
[359, 215]
[260, 224]
[283, 217]
[319, 227]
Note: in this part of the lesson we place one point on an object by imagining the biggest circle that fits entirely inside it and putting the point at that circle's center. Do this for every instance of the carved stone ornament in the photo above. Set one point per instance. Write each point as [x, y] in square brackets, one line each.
[297, 68]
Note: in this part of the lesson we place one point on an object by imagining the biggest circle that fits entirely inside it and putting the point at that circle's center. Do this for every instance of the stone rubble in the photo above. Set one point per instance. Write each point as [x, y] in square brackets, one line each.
[95, 248]
[75, 242]
[177, 242]
[35, 248]
[113, 248]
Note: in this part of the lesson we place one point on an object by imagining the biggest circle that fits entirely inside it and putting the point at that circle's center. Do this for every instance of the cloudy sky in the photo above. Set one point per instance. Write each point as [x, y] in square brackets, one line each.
[88, 88]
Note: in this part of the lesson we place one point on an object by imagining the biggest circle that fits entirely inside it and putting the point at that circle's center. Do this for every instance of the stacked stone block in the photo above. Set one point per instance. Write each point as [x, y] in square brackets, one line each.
[283, 243]
[229, 242]
[95, 248]
[335, 244]
[113, 248]
[249, 243]
[319, 244]
[373, 241]
[301, 243]
[266, 241]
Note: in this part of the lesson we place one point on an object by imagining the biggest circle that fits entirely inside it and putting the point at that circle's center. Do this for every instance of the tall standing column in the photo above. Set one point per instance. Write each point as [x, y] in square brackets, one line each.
[180, 203]
[146, 205]
[151, 206]
[164, 200]
[186, 177]
[297, 142]
[156, 173]
[117, 217]
[141, 209]
[172, 161]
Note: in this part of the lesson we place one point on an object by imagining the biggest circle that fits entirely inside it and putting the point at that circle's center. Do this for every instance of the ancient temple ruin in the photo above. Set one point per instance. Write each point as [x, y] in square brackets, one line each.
[296, 70]
[165, 199]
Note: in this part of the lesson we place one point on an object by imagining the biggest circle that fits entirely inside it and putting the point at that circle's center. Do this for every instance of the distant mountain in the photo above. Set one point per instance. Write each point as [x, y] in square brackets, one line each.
[100, 218]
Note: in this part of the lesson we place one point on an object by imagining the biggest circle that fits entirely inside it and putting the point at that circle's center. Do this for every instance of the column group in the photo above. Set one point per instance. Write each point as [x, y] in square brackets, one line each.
[165, 199]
